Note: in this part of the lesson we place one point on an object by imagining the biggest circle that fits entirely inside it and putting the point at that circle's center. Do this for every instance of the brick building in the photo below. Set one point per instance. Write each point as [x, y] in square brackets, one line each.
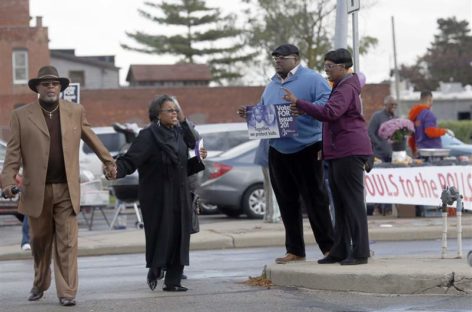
[92, 72]
[24, 49]
[175, 75]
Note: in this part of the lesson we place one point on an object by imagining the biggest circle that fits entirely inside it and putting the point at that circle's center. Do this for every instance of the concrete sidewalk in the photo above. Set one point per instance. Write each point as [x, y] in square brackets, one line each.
[399, 275]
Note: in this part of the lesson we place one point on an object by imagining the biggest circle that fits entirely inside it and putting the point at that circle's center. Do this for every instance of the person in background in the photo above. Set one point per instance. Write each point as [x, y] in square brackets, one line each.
[381, 147]
[295, 165]
[427, 133]
[45, 139]
[272, 212]
[160, 153]
[25, 238]
[346, 147]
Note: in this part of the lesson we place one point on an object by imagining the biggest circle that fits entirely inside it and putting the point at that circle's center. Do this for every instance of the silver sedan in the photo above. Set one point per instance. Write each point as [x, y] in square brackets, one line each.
[234, 183]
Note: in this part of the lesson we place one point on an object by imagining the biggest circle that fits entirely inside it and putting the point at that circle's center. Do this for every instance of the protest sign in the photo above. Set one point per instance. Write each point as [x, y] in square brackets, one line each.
[418, 185]
[270, 121]
[72, 93]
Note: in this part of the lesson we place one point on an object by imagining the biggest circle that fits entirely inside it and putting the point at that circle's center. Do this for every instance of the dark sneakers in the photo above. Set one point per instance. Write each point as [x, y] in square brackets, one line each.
[175, 288]
[35, 294]
[353, 261]
[347, 261]
[328, 260]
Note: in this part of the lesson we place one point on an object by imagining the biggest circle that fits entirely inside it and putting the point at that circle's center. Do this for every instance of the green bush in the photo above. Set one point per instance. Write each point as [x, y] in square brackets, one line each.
[462, 129]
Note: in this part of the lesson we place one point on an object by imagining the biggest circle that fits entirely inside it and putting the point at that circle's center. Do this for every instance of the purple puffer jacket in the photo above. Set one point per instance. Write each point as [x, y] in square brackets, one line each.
[344, 128]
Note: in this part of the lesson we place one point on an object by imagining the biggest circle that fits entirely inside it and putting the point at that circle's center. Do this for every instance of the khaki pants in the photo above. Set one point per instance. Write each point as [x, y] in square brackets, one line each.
[55, 230]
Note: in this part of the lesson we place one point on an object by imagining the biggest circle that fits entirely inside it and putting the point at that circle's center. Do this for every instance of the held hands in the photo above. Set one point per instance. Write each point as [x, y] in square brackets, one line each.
[203, 153]
[290, 97]
[110, 171]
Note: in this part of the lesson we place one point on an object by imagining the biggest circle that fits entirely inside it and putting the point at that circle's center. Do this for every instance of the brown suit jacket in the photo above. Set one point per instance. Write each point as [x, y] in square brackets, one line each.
[29, 147]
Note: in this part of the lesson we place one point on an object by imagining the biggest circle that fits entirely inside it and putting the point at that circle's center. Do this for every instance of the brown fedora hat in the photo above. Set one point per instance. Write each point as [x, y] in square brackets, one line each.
[48, 73]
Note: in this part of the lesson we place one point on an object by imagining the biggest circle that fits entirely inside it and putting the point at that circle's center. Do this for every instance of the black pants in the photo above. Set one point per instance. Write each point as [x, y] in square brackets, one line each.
[173, 275]
[295, 177]
[346, 177]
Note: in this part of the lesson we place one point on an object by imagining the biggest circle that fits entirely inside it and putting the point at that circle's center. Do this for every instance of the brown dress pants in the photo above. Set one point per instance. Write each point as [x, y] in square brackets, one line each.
[55, 230]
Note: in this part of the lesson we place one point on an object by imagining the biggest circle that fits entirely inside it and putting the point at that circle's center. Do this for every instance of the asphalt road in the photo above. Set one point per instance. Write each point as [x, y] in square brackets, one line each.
[216, 283]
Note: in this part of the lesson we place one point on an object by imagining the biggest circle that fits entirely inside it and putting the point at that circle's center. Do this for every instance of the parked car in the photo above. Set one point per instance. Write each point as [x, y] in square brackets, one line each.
[234, 183]
[217, 138]
[7, 206]
[113, 141]
[3, 151]
[456, 147]
[220, 137]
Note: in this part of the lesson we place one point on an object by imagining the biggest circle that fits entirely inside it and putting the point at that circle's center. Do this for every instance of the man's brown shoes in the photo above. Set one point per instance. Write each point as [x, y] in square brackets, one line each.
[35, 294]
[67, 302]
[289, 258]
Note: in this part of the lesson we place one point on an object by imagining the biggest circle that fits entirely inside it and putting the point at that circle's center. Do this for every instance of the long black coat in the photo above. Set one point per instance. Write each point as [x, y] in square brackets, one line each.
[161, 156]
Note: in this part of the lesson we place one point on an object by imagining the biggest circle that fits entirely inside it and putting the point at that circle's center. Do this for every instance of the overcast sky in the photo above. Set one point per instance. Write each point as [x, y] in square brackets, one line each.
[97, 27]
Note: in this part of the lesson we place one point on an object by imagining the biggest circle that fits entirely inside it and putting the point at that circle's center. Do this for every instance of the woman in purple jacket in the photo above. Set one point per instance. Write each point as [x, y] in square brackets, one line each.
[346, 147]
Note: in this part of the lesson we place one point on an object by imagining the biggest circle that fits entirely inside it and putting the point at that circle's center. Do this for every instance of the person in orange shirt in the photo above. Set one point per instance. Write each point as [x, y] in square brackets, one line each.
[427, 133]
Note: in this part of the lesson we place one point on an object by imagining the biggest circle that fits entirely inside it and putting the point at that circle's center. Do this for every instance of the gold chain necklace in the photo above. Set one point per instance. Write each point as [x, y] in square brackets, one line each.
[50, 112]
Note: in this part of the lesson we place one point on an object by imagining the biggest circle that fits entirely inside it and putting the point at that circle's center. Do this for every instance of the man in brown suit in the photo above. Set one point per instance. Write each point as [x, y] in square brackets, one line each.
[45, 139]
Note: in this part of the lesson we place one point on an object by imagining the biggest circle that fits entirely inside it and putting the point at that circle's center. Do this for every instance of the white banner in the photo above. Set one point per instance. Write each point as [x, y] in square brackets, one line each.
[418, 185]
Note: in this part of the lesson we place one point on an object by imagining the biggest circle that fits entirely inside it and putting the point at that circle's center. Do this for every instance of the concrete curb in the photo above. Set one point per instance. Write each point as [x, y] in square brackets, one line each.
[380, 275]
[132, 241]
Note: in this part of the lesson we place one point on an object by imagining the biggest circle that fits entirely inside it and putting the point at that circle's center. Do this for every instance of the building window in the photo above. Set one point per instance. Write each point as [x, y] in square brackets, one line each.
[20, 66]
[463, 116]
[77, 76]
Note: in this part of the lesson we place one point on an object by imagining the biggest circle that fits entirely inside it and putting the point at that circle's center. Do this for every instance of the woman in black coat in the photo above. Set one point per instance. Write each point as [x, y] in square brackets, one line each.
[160, 153]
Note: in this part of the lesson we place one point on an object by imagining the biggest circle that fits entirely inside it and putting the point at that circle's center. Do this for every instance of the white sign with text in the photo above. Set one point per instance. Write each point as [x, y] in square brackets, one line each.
[418, 185]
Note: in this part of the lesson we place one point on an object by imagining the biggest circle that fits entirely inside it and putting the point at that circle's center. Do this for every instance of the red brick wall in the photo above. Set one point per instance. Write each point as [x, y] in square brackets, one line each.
[206, 105]
[202, 104]
[372, 98]
[35, 41]
[14, 12]
[15, 33]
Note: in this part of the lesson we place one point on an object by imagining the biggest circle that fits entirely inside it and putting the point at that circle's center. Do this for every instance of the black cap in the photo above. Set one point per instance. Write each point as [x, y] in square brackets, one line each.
[285, 49]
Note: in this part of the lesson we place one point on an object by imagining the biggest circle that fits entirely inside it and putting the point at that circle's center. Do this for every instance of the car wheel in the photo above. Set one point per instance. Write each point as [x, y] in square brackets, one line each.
[254, 202]
[207, 209]
[230, 212]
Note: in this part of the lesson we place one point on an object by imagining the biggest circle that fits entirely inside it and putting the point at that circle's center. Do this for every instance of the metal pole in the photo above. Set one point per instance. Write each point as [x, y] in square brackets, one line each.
[340, 30]
[395, 69]
[355, 40]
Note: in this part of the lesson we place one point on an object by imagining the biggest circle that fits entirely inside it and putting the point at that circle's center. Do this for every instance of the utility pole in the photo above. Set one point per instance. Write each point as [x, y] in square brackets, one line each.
[340, 30]
[353, 7]
[355, 40]
[395, 69]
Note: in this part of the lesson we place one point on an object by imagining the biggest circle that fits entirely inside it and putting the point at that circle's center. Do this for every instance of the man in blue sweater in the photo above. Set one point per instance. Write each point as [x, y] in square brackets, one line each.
[295, 165]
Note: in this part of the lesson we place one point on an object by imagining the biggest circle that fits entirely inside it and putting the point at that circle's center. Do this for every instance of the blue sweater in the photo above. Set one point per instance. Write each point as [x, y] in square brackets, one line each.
[306, 85]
